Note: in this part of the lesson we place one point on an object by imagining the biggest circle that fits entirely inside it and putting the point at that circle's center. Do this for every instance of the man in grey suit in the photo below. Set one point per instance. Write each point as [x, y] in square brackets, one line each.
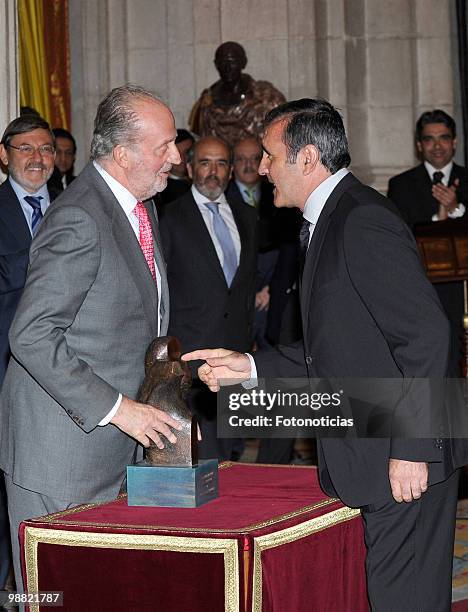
[95, 296]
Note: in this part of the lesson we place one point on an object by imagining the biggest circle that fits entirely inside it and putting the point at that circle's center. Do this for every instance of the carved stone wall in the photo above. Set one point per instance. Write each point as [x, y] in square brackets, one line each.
[382, 62]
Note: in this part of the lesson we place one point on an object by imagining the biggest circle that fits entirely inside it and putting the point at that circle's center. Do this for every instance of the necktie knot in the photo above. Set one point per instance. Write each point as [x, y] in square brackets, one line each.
[35, 203]
[250, 193]
[213, 206]
[437, 177]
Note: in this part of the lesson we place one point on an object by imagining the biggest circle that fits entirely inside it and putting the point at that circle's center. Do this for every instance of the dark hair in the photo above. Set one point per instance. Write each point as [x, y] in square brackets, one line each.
[314, 122]
[117, 121]
[63, 133]
[183, 135]
[24, 124]
[435, 116]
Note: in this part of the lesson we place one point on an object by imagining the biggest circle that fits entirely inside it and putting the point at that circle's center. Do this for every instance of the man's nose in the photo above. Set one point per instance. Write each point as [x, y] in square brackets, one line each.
[174, 157]
[263, 167]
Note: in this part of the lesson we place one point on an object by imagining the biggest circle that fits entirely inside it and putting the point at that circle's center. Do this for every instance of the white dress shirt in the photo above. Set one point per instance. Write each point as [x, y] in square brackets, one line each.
[128, 202]
[226, 213]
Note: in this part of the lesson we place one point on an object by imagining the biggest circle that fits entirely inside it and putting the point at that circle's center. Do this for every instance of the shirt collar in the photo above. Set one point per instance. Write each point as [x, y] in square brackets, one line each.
[317, 199]
[446, 170]
[201, 199]
[21, 192]
[123, 196]
[255, 189]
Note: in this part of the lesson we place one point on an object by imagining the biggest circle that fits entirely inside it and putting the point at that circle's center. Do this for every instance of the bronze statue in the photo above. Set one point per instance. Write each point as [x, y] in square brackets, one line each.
[166, 383]
[234, 107]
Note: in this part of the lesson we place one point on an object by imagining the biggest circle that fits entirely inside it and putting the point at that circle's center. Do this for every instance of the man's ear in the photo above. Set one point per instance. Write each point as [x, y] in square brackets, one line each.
[419, 146]
[190, 170]
[120, 156]
[3, 155]
[309, 157]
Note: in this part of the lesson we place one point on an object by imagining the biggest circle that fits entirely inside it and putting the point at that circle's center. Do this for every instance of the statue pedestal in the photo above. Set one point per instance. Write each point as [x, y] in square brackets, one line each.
[172, 486]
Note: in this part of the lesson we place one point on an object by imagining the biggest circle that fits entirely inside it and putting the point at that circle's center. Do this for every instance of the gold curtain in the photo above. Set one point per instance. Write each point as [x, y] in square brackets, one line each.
[45, 59]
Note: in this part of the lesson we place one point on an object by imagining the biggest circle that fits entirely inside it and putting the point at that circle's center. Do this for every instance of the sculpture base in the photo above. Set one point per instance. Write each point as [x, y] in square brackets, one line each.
[174, 487]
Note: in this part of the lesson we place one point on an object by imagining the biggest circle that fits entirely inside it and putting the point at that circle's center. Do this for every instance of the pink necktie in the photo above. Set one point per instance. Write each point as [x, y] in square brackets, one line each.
[146, 236]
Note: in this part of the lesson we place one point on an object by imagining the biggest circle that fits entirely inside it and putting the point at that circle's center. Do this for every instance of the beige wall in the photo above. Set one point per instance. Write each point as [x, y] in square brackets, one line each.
[9, 96]
[381, 61]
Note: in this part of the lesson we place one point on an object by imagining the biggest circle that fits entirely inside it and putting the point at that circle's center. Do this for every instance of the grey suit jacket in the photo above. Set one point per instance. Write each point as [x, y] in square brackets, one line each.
[86, 317]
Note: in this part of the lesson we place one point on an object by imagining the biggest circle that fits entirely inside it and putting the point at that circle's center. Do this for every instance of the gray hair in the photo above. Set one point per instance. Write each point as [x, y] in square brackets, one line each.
[117, 121]
[24, 124]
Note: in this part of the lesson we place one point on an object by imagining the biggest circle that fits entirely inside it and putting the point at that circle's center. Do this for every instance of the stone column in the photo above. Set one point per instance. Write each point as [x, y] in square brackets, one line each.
[9, 100]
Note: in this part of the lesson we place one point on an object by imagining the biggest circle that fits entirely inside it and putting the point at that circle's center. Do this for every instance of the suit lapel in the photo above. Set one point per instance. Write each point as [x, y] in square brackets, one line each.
[128, 247]
[13, 217]
[239, 218]
[425, 188]
[316, 243]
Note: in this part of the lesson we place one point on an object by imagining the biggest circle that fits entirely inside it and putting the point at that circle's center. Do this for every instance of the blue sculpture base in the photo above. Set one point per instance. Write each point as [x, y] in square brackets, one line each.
[171, 486]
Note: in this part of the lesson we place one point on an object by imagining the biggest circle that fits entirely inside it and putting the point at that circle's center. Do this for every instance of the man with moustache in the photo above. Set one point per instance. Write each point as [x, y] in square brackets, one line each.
[95, 296]
[369, 311]
[210, 249]
[27, 149]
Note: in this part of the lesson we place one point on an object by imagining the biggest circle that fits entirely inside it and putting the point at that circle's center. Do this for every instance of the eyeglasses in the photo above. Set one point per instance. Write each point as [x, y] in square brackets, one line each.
[243, 158]
[29, 150]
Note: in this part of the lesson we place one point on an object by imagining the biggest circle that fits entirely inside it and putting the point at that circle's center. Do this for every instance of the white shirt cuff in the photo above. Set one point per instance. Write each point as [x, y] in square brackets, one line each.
[253, 380]
[107, 419]
[457, 212]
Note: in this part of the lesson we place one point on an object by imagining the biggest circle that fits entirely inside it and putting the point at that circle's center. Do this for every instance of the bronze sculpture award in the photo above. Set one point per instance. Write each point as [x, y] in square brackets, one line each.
[171, 476]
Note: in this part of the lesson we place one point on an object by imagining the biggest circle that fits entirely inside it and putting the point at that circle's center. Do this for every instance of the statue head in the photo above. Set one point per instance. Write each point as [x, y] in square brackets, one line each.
[230, 60]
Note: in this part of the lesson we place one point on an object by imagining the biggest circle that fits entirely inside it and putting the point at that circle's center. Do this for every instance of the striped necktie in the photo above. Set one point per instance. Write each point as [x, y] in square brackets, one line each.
[35, 203]
[250, 193]
[226, 242]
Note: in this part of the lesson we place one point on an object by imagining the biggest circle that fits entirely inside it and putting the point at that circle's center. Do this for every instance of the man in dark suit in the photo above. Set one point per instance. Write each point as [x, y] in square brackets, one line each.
[27, 150]
[249, 187]
[65, 154]
[95, 296]
[367, 311]
[178, 181]
[436, 190]
[210, 248]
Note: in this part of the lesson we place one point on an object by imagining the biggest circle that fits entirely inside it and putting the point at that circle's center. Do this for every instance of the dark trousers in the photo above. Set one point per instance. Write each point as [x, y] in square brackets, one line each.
[410, 551]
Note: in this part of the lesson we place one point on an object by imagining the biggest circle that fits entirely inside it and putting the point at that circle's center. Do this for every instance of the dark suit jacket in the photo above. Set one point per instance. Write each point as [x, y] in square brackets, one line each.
[368, 311]
[15, 240]
[411, 192]
[204, 311]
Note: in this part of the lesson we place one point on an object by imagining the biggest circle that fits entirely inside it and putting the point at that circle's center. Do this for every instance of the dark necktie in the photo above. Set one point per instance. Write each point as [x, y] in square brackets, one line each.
[35, 203]
[304, 237]
[226, 242]
[437, 177]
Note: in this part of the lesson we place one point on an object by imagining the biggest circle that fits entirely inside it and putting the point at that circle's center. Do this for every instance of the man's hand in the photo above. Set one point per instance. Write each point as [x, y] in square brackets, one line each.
[408, 479]
[221, 364]
[143, 422]
[447, 198]
[262, 298]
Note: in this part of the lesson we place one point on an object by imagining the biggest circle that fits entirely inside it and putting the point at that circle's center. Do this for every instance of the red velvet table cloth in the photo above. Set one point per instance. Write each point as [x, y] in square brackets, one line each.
[272, 542]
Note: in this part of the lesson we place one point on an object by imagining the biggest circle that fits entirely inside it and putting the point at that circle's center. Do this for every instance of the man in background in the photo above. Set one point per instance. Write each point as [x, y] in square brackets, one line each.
[433, 191]
[210, 248]
[27, 151]
[178, 182]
